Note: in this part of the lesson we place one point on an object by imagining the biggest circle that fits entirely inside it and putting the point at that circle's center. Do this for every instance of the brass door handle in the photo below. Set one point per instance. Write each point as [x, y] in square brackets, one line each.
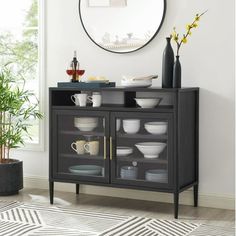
[105, 148]
[111, 148]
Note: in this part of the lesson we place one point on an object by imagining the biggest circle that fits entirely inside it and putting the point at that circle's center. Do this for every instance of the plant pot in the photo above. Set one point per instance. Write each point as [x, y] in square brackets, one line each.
[11, 177]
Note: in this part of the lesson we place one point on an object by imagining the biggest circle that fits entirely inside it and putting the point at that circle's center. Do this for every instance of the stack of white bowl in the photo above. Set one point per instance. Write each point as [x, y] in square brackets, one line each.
[86, 123]
[156, 175]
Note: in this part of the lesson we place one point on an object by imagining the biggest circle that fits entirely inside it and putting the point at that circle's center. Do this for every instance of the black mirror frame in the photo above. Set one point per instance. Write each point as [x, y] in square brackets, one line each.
[162, 20]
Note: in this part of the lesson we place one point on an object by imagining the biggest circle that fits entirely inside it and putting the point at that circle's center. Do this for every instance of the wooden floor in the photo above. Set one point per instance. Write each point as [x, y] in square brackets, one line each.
[210, 216]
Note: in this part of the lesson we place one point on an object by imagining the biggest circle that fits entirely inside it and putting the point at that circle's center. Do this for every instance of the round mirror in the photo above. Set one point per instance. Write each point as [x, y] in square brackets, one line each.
[122, 26]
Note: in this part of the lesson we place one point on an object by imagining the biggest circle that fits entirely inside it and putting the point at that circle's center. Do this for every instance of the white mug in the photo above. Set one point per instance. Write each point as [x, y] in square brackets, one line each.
[78, 146]
[96, 99]
[75, 99]
[80, 99]
[92, 147]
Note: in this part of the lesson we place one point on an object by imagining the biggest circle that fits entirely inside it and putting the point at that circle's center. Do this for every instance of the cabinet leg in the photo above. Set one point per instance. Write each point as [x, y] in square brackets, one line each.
[51, 191]
[77, 188]
[195, 195]
[176, 205]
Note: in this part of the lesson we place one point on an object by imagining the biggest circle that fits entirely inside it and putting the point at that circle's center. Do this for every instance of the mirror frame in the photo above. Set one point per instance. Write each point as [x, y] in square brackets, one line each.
[157, 31]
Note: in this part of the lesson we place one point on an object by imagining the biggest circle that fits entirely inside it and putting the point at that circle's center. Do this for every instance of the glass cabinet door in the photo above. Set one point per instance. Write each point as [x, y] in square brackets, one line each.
[80, 146]
[142, 149]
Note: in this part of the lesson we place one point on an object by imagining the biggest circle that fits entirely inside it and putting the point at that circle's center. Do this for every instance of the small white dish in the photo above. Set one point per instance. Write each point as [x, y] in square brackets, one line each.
[148, 102]
[156, 127]
[131, 126]
[151, 149]
[122, 151]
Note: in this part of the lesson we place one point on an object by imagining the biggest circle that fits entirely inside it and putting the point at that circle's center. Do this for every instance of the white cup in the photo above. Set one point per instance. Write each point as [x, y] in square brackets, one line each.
[92, 147]
[75, 99]
[78, 146]
[96, 99]
[80, 99]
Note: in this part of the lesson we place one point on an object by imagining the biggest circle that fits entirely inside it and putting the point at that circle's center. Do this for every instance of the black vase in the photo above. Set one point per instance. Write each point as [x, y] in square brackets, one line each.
[177, 74]
[167, 65]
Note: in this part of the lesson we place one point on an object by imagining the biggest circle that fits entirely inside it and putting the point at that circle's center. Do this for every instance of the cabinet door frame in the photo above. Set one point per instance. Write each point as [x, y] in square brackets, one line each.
[170, 146]
[54, 142]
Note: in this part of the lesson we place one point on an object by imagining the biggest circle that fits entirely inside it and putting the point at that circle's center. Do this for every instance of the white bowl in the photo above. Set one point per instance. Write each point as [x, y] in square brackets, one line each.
[151, 149]
[148, 102]
[86, 127]
[124, 151]
[131, 126]
[156, 127]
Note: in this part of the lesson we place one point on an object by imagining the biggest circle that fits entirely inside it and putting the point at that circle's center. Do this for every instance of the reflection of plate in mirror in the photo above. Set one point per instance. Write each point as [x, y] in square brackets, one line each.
[121, 25]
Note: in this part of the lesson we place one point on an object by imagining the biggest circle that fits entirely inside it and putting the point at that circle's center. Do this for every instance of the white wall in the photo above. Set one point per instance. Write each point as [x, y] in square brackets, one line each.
[207, 62]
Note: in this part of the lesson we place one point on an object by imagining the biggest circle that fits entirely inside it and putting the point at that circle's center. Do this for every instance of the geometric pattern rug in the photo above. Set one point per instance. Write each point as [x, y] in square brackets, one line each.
[24, 219]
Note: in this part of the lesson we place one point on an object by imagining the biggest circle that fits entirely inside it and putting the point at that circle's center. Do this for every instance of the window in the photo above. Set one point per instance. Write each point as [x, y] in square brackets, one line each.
[21, 42]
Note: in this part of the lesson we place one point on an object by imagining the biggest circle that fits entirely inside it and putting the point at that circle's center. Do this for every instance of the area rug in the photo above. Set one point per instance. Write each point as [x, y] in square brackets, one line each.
[24, 219]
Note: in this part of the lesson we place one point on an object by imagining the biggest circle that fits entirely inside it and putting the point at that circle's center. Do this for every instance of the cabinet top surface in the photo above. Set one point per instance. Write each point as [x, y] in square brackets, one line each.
[151, 89]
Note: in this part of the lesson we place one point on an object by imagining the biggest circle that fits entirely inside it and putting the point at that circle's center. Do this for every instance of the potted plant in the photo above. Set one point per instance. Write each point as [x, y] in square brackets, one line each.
[17, 107]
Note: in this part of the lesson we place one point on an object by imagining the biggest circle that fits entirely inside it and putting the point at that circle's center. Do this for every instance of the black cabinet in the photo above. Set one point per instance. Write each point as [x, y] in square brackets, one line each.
[122, 145]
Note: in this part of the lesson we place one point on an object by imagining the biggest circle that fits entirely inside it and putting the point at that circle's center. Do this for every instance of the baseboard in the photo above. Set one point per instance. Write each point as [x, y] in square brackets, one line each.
[186, 198]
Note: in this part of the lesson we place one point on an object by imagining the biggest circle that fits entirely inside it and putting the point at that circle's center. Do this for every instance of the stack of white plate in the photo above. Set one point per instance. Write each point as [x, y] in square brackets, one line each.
[129, 172]
[156, 175]
[86, 123]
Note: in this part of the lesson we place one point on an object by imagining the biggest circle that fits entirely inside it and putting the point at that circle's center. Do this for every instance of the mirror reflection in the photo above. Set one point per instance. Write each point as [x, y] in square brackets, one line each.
[121, 25]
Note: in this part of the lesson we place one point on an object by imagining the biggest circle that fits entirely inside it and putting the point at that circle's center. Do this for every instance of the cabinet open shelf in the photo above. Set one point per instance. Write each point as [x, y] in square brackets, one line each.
[117, 107]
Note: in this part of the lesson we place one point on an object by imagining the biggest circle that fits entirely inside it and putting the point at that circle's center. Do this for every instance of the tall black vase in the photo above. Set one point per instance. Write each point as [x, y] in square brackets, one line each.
[167, 65]
[177, 74]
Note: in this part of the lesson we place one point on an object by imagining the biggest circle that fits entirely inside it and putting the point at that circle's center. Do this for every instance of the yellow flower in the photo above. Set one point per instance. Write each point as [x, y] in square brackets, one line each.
[190, 33]
[197, 18]
[188, 27]
[175, 37]
[184, 39]
[195, 25]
